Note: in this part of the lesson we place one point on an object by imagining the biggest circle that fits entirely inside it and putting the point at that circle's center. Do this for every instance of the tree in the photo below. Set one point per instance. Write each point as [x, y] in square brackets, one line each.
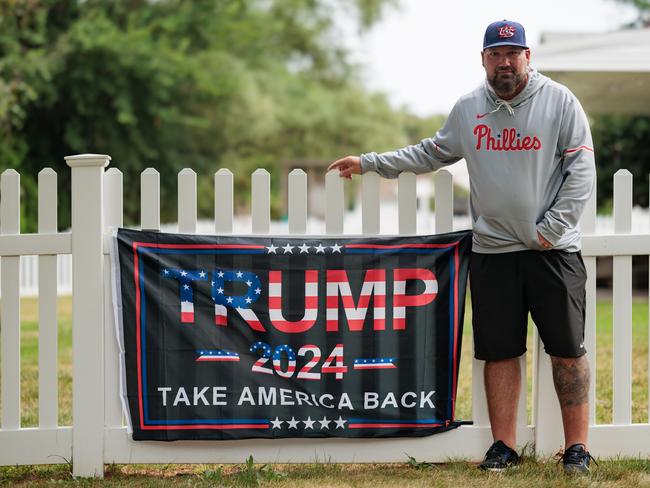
[622, 142]
[170, 83]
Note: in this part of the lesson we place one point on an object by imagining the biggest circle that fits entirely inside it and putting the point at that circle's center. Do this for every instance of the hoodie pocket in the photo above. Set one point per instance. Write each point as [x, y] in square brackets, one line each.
[498, 232]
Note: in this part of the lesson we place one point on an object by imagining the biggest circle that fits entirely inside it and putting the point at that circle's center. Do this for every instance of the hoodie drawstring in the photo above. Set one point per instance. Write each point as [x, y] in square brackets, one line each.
[502, 103]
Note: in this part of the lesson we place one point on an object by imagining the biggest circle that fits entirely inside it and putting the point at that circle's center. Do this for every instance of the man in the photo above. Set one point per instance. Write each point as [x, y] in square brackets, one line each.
[530, 158]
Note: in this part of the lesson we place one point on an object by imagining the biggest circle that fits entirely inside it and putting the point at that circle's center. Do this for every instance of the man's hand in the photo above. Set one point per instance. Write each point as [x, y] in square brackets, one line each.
[347, 166]
[545, 244]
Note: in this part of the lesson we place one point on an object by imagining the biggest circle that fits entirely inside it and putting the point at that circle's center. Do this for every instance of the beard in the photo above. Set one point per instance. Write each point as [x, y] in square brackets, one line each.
[505, 82]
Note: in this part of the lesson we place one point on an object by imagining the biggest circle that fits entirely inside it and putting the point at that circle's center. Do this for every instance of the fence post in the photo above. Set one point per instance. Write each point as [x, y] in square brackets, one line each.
[370, 204]
[87, 314]
[47, 319]
[407, 200]
[622, 305]
[444, 198]
[113, 218]
[261, 201]
[10, 303]
[335, 199]
[588, 224]
[297, 202]
[223, 201]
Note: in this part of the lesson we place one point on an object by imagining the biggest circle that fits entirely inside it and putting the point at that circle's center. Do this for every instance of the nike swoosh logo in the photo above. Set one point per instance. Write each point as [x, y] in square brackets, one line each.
[480, 116]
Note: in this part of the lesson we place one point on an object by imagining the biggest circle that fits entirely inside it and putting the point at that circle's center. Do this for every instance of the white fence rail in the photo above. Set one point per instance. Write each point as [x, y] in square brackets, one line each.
[98, 434]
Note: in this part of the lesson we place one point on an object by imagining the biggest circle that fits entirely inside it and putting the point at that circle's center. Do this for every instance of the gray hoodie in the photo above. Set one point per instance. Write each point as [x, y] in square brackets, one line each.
[530, 162]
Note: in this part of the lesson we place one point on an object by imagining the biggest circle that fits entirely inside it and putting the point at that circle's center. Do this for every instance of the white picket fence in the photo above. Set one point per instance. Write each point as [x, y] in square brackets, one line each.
[98, 434]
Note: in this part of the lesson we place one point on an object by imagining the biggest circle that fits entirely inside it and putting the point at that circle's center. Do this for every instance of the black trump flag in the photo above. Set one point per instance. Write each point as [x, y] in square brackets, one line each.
[239, 337]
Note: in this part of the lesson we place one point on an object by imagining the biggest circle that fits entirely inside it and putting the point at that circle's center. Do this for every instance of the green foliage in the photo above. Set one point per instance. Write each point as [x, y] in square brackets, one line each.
[213, 475]
[622, 142]
[252, 475]
[415, 464]
[171, 84]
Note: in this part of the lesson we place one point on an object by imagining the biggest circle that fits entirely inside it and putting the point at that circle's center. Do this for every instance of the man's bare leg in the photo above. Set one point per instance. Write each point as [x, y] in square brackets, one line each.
[502, 386]
[571, 378]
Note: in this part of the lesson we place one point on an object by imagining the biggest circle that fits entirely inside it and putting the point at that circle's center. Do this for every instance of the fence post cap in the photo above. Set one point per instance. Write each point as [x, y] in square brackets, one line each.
[79, 160]
[47, 171]
[10, 172]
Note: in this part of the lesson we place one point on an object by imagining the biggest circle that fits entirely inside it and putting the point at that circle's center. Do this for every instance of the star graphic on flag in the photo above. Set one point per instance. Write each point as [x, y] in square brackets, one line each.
[249, 300]
[258, 291]
[277, 423]
[219, 290]
[309, 423]
[320, 248]
[340, 423]
[272, 249]
[288, 248]
[186, 287]
[220, 274]
[229, 299]
[293, 423]
[239, 274]
[202, 274]
[325, 423]
[249, 282]
[336, 248]
[166, 271]
[183, 273]
[304, 248]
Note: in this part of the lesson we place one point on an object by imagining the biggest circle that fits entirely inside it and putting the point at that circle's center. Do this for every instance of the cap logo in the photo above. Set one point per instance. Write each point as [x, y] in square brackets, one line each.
[507, 31]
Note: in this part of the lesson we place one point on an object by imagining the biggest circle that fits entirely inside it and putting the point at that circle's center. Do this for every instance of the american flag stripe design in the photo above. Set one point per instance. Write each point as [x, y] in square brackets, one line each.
[401, 300]
[374, 285]
[220, 314]
[277, 361]
[311, 303]
[249, 316]
[217, 355]
[187, 312]
[374, 363]
[241, 303]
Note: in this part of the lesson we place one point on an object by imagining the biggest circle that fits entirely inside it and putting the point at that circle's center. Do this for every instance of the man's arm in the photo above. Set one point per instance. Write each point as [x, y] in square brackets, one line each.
[429, 155]
[579, 171]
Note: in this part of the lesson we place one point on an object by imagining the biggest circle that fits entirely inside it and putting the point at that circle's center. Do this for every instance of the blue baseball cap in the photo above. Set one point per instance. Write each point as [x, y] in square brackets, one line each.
[504, 33]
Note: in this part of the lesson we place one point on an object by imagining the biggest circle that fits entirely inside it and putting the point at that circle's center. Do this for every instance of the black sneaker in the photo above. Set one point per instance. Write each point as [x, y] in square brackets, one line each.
[576, 459]
[499, 457]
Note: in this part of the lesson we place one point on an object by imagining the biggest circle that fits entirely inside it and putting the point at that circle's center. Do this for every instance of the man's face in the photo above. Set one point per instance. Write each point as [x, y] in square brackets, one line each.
[505, 68]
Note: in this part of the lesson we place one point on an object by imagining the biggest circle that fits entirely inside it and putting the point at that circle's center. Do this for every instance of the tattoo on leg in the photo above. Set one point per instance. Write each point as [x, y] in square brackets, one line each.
[571, 378]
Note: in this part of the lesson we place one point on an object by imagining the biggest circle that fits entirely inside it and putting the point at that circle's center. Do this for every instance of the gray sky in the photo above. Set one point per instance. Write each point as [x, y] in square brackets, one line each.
[426, 54]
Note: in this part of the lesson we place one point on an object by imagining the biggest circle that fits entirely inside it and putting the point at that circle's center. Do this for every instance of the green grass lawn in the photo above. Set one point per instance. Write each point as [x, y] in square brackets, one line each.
[531, 474]
[611, 473]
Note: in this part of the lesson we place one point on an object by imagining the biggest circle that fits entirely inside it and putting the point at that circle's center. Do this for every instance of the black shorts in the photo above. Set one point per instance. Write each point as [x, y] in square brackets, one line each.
[505, 287]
